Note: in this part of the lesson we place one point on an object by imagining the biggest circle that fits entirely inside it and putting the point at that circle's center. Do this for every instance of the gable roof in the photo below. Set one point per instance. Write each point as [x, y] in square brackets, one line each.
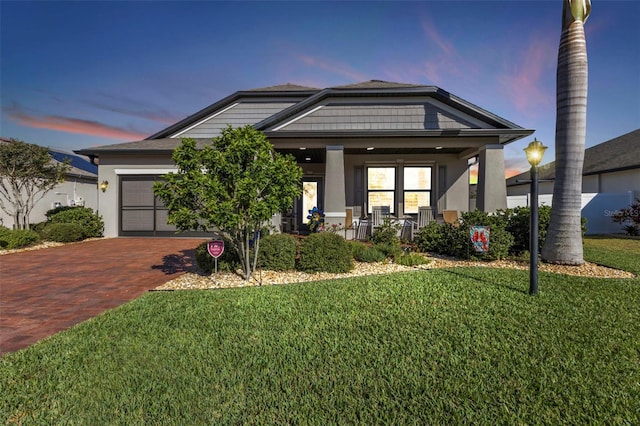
[371, 109]
[618, 154]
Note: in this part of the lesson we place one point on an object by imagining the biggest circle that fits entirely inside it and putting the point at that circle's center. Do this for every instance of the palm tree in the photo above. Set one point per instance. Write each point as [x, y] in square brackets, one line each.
[563, 244]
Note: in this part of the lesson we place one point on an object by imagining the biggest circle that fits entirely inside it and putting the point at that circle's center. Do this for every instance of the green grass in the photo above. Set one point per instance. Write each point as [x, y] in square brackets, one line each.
[617, 252]
[465, 345]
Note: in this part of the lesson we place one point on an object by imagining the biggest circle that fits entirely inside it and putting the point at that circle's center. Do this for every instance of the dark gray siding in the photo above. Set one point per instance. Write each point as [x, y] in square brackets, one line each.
[423, 116]
[237, 116]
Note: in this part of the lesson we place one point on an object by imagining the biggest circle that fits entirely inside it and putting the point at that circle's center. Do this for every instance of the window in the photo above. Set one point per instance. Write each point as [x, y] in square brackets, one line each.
[417, 188]
[381, 186]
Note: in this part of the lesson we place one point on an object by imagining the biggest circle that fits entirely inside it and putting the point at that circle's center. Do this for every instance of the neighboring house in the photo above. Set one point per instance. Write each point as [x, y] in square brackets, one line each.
[361, 145]
[610, 182]
[79, 188]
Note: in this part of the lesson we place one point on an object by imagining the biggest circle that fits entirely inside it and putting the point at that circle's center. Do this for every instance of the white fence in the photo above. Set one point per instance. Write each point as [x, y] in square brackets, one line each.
[598, 208]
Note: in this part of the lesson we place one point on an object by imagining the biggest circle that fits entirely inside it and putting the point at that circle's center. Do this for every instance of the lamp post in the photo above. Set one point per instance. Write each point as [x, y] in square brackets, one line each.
[534, 152]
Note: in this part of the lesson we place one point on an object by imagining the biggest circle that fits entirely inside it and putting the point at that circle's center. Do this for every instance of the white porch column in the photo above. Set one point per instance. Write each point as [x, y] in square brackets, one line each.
[492, 184]
[334, 186]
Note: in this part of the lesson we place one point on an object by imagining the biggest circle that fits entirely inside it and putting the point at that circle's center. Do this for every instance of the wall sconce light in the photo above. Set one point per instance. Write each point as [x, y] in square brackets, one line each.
[104, 185]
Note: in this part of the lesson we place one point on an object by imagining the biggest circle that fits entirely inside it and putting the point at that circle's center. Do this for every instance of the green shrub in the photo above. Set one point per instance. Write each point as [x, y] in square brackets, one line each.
[442, 238]
[277, 252]
[39, 227]
[411, 259]
[4, 236]
[517, 224]
[20, 238]
[456, 240]
[57, 210]
[357, 247]
[228, 261]
[325, 252]
[370, 255]
[62, 232]
[390, 250]
[500, 240]
[92, 224]
[387, 233]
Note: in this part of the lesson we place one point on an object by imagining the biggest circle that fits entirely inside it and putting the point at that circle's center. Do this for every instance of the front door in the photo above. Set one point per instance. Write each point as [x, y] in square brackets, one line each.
[312, 196]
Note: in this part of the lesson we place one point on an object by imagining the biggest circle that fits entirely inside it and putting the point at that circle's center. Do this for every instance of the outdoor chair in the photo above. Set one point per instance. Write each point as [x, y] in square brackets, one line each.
[451, 216]
[425, 216]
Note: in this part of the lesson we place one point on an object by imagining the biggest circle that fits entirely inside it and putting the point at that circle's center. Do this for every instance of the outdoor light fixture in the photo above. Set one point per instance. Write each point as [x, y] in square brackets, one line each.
[534, 152]
[370, 148]
[104, 185]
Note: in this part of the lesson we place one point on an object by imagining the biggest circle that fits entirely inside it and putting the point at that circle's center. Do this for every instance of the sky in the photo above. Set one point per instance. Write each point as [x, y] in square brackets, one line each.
[77, 74]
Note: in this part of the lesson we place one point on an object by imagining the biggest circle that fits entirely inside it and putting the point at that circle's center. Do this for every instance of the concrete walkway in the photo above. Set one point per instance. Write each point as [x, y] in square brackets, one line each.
[45, 291]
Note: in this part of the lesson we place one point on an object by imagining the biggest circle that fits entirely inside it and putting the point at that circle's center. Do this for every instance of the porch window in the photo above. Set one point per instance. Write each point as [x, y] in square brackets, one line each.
[381, 185]
[417, 188]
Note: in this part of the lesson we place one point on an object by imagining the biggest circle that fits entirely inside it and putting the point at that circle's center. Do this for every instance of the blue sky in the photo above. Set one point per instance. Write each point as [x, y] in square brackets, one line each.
[88, 73]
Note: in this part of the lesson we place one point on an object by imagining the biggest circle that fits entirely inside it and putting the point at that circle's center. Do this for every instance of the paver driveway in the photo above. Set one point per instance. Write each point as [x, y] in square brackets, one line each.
[49, 290]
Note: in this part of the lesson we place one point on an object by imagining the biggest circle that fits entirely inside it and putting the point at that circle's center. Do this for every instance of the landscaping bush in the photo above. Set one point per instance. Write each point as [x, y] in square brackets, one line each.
[357, 247]
[228, 261]
[390, 250]
[277, 252]
[517, 224]
[456, 241]
[411, 259]
[62, 232]
[20, 238]
[370, 255]
[325, 252]
[631, 216]
[442, 238]
[500, 240]
[92, 224]
[4, 235]
[387, 233]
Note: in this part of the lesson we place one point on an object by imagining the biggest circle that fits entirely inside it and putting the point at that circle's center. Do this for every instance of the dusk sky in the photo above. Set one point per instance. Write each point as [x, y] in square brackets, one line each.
[88, 73]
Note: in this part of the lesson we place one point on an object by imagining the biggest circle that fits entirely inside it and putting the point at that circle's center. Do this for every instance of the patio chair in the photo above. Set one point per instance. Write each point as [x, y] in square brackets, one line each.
[425, 216]
[451, 216]
[363, 229]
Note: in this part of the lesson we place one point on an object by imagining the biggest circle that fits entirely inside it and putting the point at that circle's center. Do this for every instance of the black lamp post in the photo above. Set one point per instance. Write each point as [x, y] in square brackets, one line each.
[534, 152]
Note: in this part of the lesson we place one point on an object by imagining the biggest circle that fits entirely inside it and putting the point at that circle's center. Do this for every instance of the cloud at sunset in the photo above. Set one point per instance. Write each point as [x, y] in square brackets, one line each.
[71, 125]
[522, 81]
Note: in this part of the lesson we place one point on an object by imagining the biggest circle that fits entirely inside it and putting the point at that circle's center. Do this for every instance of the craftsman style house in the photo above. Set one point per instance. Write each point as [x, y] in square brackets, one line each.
[375, 143]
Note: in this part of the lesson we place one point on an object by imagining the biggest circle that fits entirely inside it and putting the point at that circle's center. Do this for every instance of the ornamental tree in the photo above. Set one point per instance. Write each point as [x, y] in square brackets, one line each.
[231, 186]
[27, 173]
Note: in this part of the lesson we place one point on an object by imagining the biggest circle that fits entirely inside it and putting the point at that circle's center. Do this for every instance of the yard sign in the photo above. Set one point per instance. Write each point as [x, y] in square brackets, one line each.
[215, 249]
[480, 238]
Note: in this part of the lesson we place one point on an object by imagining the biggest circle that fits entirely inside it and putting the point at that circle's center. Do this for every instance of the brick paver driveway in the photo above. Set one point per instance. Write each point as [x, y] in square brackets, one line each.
[49, 290]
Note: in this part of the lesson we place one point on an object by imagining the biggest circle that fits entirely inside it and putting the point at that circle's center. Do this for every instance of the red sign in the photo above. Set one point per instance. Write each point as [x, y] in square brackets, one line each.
[215, 248]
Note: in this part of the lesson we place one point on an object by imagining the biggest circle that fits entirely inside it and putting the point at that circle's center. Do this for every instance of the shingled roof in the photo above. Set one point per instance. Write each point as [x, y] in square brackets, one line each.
[621, 153]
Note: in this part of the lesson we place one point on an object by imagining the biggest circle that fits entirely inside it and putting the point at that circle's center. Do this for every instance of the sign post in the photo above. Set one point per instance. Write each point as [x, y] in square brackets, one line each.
[215, 249]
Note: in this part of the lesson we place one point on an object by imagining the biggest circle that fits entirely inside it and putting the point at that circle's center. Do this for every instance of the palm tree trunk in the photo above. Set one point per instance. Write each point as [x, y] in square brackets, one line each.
[563, 244]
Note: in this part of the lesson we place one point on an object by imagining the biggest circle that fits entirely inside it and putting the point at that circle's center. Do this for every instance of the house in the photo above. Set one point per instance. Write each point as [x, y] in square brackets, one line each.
[610, 182]
[79, 188]
[361, 145]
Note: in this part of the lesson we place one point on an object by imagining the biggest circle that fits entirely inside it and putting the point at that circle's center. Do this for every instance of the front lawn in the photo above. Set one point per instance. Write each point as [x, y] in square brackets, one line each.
[619, 252]
[465, 345]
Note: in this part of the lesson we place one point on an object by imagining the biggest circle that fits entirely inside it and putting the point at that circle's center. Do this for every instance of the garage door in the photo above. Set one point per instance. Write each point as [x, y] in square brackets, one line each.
[141, 212]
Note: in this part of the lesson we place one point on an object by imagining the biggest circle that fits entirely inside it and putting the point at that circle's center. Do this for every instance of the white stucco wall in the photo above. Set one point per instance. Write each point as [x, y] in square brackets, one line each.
[70, 191]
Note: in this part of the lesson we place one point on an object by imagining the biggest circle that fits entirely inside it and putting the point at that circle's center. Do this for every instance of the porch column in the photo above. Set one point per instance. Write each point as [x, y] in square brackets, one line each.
[334, 187]
[492, 184]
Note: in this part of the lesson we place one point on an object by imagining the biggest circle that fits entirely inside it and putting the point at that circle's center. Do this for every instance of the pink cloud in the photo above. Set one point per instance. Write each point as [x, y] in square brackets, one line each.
[524, 82]
[433, 35]
[73, 125]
